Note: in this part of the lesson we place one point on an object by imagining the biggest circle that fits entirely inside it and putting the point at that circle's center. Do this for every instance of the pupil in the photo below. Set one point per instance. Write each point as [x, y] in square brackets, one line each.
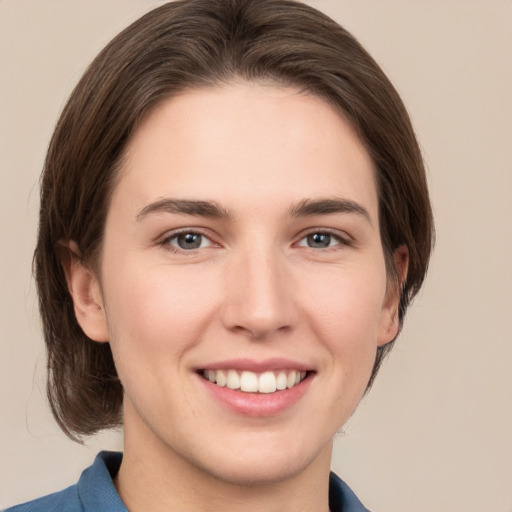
[189, 241]
[319, 240]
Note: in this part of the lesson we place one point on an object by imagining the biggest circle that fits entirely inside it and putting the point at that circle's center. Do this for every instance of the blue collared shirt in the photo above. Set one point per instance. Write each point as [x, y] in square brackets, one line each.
[95, 492]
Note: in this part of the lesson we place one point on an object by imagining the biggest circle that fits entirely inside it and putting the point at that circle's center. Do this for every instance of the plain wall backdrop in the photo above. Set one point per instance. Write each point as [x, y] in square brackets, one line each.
[434, 434]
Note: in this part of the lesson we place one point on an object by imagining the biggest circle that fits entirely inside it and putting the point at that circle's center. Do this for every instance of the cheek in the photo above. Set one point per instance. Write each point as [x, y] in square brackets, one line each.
[156, 312]
[346, 317]
[348, 304]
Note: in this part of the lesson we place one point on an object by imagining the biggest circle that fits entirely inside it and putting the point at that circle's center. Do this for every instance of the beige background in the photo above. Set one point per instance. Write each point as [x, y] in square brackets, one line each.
[435, 433]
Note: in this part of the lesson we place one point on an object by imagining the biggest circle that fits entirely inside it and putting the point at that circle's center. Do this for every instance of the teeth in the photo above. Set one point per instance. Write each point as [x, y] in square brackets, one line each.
[250, 382]
[281, 381]
[290, 380]
[267, 383]
[233, 380]
[221, 378]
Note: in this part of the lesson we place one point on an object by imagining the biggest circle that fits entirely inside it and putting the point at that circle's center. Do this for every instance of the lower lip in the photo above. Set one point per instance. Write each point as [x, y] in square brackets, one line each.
[257, 404]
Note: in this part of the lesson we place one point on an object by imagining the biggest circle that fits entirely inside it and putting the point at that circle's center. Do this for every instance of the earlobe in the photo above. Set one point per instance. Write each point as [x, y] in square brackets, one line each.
[85, 291]
[390, 322]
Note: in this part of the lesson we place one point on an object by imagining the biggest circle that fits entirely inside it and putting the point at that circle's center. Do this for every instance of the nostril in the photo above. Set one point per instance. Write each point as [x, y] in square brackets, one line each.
[259, 330]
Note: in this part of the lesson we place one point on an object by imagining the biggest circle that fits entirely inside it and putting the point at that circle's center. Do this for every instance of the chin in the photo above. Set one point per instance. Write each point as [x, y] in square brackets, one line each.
[259, 473]
[267, 464]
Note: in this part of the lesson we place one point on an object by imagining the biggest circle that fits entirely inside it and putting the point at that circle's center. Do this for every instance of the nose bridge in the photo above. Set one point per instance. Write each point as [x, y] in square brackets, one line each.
[258, 296]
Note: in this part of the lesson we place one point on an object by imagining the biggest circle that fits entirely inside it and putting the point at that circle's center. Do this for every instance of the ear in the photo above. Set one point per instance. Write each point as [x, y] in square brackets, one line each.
[389, 322]
[85, 291]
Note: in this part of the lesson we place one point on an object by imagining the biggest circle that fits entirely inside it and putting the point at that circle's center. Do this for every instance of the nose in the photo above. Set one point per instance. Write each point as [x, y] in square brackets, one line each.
[259, 295]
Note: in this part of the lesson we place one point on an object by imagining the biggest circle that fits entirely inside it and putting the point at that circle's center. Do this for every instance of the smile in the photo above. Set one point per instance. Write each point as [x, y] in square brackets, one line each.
[251, 382]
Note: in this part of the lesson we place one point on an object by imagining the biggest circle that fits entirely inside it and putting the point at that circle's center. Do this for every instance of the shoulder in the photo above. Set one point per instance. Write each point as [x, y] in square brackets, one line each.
[94, 491]
[66, 500]
[342, 498]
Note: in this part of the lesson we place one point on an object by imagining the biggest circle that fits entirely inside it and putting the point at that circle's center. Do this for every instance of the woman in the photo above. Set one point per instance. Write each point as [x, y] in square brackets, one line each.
[234, 218]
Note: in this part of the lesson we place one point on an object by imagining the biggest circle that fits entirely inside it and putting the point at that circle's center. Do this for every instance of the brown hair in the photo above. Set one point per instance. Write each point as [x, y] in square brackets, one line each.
[182, 45]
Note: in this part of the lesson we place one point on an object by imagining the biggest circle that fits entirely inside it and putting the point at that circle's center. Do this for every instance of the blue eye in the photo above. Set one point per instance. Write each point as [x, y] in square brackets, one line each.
[320, 240]
[188, 241]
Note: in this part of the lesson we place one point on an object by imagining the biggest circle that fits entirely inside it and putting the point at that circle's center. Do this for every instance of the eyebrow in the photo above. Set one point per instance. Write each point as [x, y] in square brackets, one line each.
[209, 209]
[310, 208]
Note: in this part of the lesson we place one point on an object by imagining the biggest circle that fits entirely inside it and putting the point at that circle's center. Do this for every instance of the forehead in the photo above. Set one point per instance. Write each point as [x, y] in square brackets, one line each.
[246, 141]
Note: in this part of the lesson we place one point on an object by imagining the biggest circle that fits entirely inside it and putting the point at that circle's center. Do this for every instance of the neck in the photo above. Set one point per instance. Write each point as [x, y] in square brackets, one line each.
[155, 477]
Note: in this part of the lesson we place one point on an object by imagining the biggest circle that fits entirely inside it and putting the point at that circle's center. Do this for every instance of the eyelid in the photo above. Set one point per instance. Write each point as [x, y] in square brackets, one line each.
[164, 240]
[344, 238]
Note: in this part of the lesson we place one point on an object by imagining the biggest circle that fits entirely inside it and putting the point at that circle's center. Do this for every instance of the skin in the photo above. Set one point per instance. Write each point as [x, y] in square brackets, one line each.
[254, 289]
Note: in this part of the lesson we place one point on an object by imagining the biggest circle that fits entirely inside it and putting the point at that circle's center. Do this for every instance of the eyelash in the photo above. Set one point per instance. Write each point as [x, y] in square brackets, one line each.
[166, 242]
[343, 241]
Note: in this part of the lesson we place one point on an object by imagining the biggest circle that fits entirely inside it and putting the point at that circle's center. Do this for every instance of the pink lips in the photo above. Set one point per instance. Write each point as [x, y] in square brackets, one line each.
[257, 404]
[274, 364]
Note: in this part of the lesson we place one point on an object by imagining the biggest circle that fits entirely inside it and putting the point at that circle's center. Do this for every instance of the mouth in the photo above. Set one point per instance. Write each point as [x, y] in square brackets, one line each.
[265, 382]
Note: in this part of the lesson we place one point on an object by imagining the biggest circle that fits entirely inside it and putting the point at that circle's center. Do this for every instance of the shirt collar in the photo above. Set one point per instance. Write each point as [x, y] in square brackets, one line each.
[96, 488]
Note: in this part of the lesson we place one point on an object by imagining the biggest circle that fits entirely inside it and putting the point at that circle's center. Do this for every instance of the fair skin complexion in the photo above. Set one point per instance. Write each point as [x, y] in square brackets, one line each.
[242, 235]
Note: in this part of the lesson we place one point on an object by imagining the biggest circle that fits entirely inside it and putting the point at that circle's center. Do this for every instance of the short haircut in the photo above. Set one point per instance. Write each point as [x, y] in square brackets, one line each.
[187, 45]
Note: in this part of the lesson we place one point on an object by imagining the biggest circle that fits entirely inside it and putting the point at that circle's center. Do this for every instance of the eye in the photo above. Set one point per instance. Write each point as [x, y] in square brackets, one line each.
[321, 240]
[187, 241]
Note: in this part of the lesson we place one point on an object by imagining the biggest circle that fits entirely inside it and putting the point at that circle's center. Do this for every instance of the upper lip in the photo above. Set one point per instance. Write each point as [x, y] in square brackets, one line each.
[250, 365]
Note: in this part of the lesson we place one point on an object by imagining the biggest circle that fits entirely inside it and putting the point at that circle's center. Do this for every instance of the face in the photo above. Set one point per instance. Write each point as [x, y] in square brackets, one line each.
[242, 248]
